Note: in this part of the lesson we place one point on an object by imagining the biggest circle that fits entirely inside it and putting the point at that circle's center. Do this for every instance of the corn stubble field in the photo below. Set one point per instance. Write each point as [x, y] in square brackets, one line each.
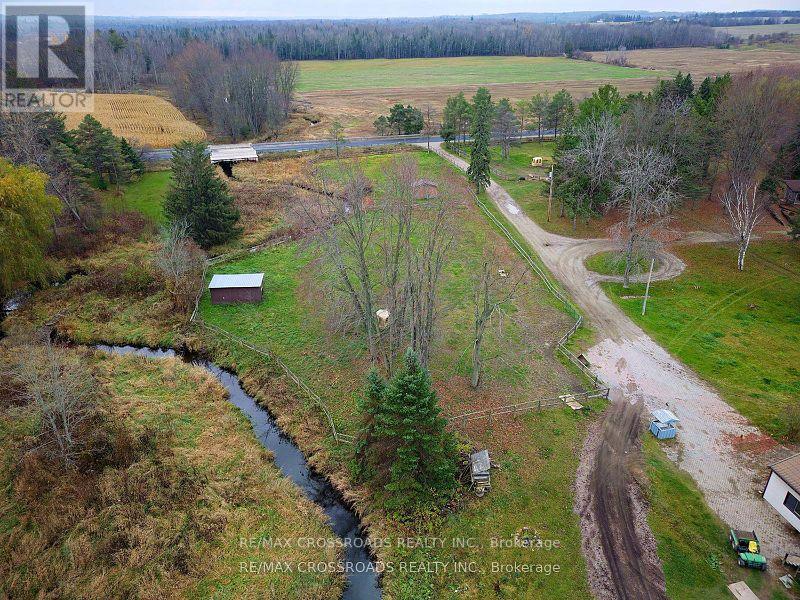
[141, 118]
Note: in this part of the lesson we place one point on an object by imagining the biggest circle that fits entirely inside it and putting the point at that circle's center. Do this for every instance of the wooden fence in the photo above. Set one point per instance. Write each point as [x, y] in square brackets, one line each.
[522, 407]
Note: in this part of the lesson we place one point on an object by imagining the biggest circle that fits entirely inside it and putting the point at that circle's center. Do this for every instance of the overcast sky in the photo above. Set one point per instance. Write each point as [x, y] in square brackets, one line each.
[404, 8]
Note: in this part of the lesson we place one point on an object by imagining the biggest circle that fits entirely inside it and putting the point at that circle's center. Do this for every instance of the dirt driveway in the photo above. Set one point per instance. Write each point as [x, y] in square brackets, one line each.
[626, 358]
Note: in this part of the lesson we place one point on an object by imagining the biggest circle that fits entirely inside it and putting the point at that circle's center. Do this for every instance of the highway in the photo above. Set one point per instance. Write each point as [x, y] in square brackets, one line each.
[310, 145]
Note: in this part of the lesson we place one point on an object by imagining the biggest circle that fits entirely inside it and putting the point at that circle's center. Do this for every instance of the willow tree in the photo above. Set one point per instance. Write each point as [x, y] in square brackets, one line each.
[27, 213]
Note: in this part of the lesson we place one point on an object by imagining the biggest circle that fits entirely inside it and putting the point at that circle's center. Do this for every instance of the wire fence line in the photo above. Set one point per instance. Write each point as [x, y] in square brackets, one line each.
[269, 354]
[560, 345]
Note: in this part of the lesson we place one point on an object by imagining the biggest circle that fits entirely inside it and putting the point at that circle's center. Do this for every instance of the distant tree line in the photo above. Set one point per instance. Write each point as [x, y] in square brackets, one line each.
[136, 53]
[748, 17]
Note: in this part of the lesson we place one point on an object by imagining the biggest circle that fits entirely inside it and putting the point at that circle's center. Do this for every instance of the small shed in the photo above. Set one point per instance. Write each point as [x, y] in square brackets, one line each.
[479, 469]
[792, 195]
[231, 289]
[783, 489]
[537, 161]
[663, 424]
[425, 189]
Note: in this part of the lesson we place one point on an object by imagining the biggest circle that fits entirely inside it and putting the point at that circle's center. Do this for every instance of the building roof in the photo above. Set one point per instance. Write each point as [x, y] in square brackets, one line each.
[788, 469]
[793, 184]
[244, 280]
[662, 415]
[232, 152]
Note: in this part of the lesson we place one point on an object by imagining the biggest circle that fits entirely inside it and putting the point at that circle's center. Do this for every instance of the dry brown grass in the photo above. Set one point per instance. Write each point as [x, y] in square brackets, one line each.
[166, 521]
[145, 119]
[701, 62]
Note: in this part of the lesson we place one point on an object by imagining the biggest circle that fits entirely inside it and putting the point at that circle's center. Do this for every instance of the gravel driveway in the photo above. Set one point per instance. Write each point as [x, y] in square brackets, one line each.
[626, 358]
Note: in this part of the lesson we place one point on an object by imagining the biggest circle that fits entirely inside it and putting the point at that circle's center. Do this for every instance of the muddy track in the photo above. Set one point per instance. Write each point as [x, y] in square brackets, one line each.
[628, 550]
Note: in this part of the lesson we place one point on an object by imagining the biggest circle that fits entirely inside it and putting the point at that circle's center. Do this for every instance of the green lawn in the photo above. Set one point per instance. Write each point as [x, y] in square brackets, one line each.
[538, 452]
[532, 196]
[740, 331]
[145, 195]
[613, 263]
[318, 75]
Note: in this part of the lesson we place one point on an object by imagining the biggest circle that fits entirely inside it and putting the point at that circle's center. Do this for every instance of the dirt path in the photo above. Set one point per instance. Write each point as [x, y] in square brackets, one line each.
[626, 358]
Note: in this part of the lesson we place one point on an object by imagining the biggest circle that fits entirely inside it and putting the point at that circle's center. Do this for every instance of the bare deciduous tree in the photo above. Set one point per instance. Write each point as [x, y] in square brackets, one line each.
[588, 169]
[181, 263]
[386, 253]
[60, 388]
[492, 291]
[645, 190]
[744, 207]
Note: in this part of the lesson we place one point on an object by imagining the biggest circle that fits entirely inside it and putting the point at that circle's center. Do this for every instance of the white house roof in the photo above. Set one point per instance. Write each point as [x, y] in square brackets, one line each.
[244, 280]
[232, 152]
[480, 462]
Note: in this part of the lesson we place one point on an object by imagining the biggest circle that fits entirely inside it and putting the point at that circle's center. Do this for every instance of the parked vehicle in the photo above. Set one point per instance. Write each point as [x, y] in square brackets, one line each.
[748, 549]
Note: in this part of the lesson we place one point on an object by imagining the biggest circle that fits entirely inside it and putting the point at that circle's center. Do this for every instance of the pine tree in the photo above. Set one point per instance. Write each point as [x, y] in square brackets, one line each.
[369, 406]
[133, 158]
[479, 171]
[101, 152]
[199, 197]
[409, 449]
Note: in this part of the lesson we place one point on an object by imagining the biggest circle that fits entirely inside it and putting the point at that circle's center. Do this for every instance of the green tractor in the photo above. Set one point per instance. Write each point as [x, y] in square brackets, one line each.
[748, 549]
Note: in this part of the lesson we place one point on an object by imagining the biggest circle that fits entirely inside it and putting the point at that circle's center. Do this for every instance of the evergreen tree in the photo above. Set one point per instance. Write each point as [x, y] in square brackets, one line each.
[560, 110]
[199, 197]
[479, 172]
[405, 443]
[101, 152]
[369, 406]
[135, 162]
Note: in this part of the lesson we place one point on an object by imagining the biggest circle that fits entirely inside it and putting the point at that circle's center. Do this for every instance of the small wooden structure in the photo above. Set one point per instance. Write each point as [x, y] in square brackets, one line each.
[783, 489]
[569, 400]
[792, 195]
[537, 161]
[232, 289]
[425, 189]
[663, 424]
[479, 470]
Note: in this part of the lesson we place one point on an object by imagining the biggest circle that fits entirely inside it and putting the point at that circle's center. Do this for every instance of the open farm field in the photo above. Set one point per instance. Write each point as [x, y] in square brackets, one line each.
[701, 62]
[425, 72]
[141, 118]
[745, 31]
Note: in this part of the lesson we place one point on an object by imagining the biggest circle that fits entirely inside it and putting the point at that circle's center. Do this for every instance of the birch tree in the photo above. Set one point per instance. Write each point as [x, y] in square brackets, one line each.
[745, 208]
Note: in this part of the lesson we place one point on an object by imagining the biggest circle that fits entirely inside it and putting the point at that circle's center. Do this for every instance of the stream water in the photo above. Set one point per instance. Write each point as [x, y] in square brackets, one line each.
[360, 569]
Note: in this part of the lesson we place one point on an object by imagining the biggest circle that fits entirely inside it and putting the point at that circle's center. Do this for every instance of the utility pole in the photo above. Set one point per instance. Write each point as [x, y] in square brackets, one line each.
[647, 289]
[550, 198]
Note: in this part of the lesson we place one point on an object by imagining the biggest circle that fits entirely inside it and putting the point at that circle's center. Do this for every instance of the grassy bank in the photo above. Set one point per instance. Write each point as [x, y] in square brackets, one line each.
[737, 330]
[166, 520]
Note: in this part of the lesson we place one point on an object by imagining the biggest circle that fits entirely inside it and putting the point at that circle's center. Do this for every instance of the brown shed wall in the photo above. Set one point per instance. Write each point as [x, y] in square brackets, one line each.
[234, 295]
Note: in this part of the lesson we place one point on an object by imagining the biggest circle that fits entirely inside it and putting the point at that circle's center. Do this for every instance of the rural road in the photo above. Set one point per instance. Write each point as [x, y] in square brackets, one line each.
[627, 359]
[161, 154]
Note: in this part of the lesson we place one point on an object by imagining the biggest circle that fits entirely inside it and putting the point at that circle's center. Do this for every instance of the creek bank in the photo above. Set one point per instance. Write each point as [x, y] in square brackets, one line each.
[358, 563]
